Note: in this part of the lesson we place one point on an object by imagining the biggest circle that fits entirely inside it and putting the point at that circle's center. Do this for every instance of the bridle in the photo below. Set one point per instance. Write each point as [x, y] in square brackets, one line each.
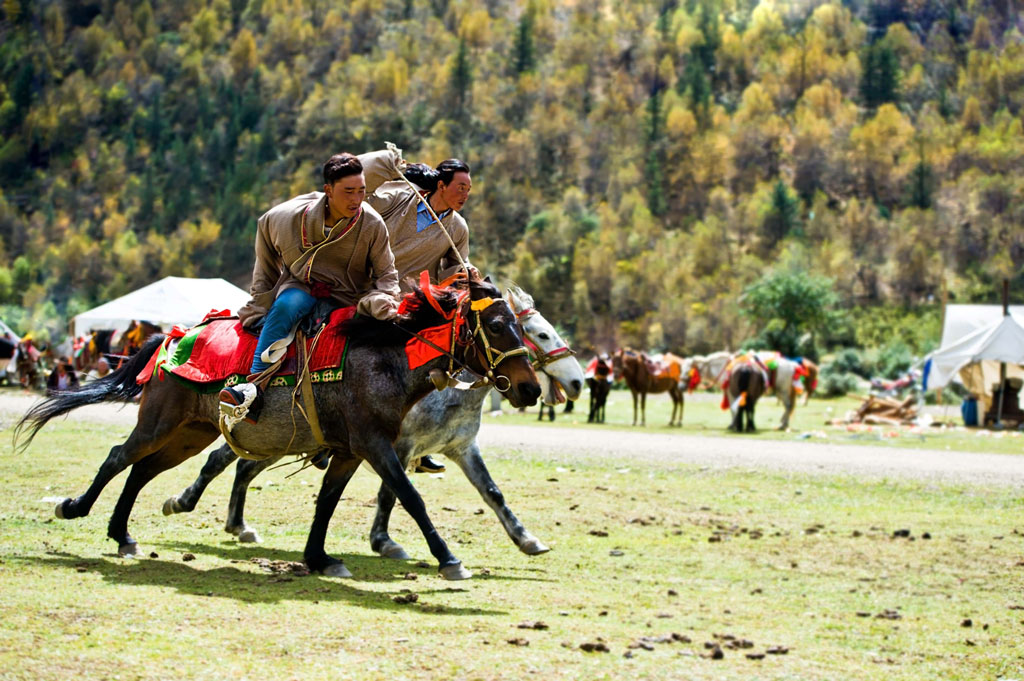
[540, 359]
[491, 356]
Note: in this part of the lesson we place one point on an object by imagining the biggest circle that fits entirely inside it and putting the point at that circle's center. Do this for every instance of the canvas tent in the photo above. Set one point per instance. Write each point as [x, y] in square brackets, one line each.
[172, 300]
[975, 339]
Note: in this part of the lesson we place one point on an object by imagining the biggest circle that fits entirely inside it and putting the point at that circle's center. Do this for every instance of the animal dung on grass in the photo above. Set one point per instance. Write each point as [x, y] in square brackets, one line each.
[538, 625]
[594, 647]
[406, 598]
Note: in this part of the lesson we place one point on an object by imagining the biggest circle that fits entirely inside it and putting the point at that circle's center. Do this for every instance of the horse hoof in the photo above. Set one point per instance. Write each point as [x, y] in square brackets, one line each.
[171, 506]
[532, 546]
[337, 570]
[455, 572]
[394, 551]
[128, 550]
[59, 510]
[249, 536]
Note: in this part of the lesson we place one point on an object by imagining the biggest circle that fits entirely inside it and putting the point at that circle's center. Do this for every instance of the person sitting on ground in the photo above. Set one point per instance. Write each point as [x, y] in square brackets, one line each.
[99, 370]
[62, 378]
[328, 244]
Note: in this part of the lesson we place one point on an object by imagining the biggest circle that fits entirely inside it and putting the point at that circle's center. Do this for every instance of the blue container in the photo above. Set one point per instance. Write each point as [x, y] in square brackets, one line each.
[969, 410]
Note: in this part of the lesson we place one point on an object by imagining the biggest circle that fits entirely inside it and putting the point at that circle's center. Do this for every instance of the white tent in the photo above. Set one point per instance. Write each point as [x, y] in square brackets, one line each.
[172, 300]
[975, 340]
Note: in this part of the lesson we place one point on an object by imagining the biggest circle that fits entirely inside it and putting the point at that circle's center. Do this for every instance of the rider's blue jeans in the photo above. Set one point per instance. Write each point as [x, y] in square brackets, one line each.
[289, 307]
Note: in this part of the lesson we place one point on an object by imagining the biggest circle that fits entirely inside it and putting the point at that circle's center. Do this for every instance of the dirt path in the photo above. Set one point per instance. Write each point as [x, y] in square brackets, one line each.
[564, 444]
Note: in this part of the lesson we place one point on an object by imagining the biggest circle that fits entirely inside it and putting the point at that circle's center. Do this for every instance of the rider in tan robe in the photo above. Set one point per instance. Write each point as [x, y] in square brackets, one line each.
[318, 245]
[417, 244]
[416, 240]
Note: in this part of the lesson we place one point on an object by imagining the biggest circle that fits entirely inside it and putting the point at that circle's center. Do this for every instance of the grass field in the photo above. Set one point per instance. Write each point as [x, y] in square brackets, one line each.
[655, 564]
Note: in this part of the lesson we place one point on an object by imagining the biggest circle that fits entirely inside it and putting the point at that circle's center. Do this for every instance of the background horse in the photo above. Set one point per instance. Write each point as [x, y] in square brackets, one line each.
[599, 374]
[360, 416]
[637, 371]
[811, 381]
[746, 385]
[711, 368]
[445, 422]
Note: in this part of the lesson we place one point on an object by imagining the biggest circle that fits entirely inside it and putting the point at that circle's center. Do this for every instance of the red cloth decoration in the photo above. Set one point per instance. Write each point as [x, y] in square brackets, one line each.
[223, 348]
[419, 353]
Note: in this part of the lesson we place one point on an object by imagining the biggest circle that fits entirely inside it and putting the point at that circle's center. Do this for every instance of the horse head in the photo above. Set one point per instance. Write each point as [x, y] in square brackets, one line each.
[553, 360]
[494, 344]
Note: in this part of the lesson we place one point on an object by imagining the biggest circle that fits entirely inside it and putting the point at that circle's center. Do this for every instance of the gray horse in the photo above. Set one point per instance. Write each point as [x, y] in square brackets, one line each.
[445, 422]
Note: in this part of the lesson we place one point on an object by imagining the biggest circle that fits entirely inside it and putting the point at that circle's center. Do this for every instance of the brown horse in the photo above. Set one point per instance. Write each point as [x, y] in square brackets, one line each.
[641, 377]
[746, 385]
[360, 417]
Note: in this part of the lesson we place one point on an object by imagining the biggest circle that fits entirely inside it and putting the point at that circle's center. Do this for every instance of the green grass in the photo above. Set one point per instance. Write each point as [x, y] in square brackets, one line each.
[808, 563]
[702, 415]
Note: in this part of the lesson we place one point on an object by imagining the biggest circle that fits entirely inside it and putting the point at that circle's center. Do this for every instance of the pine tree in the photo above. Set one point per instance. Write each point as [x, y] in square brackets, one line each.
[880, 77]
[523, 49]
[783, 217]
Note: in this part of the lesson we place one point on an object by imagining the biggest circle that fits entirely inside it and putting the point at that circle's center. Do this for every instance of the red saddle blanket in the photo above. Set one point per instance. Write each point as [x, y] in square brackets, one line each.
[219, 351]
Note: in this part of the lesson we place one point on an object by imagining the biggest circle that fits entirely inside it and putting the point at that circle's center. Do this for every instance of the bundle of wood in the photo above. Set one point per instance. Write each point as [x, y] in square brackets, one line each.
[882, 411]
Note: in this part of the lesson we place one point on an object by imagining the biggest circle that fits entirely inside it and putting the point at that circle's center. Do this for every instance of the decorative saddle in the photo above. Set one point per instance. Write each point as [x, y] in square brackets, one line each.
[218, 352]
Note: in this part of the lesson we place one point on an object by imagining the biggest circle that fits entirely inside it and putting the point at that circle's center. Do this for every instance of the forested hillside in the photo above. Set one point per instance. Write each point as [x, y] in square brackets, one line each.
[637, 165]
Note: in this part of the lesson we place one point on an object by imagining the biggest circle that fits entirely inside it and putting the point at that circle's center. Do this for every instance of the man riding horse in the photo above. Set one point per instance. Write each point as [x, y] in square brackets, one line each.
[328, 244]
[409, 211]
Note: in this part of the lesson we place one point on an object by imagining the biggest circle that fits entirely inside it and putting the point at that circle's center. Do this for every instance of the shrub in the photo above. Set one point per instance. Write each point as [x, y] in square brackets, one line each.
[894, 359]
[849, 361]
[833, 383]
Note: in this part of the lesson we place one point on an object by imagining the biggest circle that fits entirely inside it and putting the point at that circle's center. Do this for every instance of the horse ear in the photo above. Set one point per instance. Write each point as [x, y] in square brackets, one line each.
[488, 279]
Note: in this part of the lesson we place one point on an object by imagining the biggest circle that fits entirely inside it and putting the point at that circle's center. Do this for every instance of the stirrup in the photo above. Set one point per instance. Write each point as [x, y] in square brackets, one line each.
[240, 402]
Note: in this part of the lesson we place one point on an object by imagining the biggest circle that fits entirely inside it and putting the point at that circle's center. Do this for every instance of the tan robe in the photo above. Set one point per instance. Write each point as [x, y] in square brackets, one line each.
[397, 203]
[358, 265]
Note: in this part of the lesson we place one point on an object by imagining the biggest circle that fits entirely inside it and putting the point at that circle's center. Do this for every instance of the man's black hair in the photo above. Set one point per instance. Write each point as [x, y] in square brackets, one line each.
[341, 165]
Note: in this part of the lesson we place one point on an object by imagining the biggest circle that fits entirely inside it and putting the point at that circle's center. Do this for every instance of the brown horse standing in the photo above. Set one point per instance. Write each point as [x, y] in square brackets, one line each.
[634, 369]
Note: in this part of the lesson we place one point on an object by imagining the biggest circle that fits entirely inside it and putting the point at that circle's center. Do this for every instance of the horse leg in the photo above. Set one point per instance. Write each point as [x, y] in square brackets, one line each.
[245, 472]
[190, 441]
[216, 463]
[634, 405]
[788, 402]
[750, 417]
[339, 472]
[473, 466]
[592, 415]
[151, 432]
[643, 410]
[380, 541]
[382, 457]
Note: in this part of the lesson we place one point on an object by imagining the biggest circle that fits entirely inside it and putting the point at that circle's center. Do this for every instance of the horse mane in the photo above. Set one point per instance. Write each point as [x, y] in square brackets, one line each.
[417, 314]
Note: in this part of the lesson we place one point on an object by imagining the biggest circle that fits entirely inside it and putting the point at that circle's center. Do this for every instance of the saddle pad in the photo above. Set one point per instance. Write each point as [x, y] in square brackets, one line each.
[220, 352]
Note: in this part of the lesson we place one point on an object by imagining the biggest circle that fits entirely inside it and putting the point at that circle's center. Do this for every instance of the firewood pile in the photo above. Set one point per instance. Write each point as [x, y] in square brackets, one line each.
[881, 411]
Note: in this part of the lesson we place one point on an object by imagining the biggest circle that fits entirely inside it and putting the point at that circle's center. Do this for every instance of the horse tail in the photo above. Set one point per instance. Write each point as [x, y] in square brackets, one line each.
[117, 386]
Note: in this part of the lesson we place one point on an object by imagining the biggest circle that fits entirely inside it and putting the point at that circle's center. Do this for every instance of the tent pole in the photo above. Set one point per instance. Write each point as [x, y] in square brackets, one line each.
[1002, 365]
